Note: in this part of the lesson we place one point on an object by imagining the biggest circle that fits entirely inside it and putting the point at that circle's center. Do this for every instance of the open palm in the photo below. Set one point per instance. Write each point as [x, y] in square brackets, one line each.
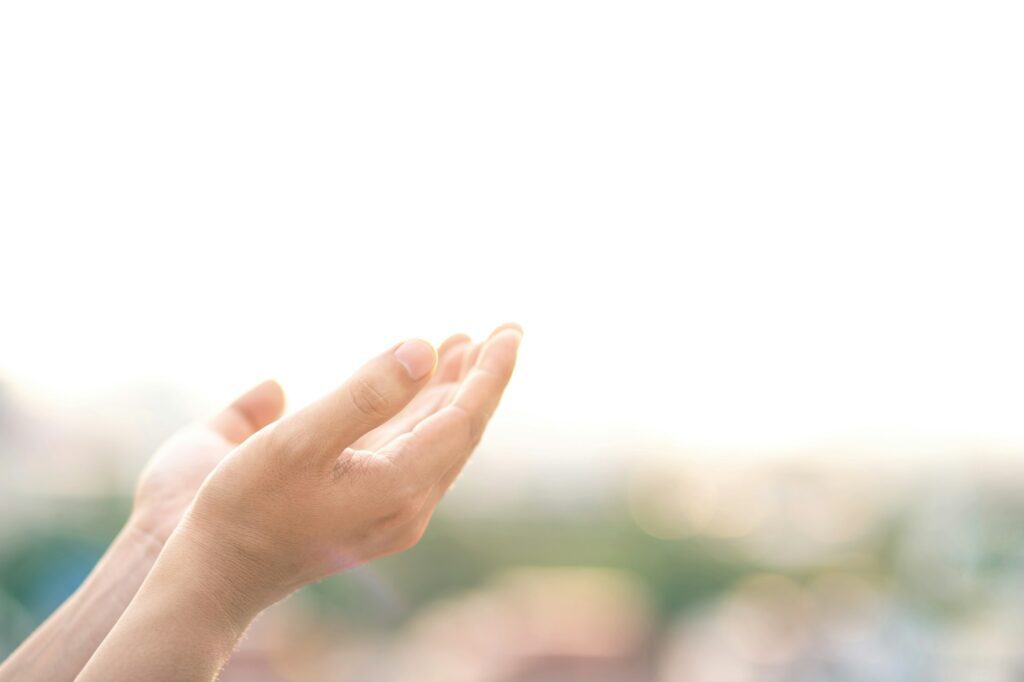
[455, 357]
[172, 476]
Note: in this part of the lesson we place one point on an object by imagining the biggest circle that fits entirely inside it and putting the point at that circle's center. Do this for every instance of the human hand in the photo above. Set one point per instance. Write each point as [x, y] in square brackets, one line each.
[172, 476]
[60, 647]
[351, 477]
[354, 476]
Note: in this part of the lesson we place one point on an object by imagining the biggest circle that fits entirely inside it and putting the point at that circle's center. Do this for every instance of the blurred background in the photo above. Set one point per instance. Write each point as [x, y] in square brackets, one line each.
[768, 420]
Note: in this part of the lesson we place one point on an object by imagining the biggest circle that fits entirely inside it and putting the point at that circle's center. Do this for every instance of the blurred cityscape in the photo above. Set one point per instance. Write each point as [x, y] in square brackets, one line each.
[828, 565]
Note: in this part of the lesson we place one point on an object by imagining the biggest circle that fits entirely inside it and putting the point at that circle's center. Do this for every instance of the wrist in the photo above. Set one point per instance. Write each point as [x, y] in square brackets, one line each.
[228, 583]
[155, 519]
[62, 646]
[188, 603]
[141, 531]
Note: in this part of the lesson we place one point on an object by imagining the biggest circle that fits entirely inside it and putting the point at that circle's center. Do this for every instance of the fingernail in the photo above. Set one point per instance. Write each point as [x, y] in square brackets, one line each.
[515, 332]
[418, 358]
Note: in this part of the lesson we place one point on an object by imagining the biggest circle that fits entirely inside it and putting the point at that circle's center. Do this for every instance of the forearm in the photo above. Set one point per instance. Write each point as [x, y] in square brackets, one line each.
[61, 646]
[315, 493]
[182, 625]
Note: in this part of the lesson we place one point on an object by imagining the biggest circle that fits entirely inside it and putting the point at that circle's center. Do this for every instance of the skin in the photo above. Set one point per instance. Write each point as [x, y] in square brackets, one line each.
[354, 476]
[60, 647]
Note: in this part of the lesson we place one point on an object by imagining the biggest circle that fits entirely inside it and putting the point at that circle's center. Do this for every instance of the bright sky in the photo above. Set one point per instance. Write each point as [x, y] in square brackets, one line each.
[739, 224]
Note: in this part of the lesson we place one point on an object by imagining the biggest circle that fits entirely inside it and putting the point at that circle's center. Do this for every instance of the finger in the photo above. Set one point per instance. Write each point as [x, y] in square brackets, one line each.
[473, 352]
[507, 325]
[249, 413]
[373, 395]
[440, 445]
[449, 358]
[482, 388]
[452, 366]
[436, 394]
[469, 356]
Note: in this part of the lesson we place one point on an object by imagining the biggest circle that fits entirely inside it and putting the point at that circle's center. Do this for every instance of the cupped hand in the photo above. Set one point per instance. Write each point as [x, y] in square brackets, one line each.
[353, 476]
[172, 476]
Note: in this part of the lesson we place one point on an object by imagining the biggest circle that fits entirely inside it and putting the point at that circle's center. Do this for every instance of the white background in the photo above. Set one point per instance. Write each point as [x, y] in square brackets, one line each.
[736, 224]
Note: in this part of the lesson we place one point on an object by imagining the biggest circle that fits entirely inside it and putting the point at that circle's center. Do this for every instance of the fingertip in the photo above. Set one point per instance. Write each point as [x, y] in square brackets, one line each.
[250, 412]
[500, 351]
[511, 335]
[263, 403]
[268, 387]
[274, 394]
[449, 357]
[452, 342]
[507, 326]
[417, 357]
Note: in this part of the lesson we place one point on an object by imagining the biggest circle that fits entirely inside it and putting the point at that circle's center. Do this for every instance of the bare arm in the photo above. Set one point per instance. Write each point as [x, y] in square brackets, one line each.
[61, 646]
[59, 649]
[352, 477]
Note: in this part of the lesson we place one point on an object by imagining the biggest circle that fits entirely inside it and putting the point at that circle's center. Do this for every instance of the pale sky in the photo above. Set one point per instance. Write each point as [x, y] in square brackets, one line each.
[741, 225]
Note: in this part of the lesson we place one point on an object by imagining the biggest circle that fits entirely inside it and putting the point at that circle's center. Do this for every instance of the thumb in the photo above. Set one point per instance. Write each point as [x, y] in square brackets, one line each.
[249, 413]
[373, 395]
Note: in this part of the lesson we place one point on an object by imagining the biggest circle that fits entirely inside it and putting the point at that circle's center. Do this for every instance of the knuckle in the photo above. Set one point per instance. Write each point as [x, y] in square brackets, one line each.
[368, 400]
